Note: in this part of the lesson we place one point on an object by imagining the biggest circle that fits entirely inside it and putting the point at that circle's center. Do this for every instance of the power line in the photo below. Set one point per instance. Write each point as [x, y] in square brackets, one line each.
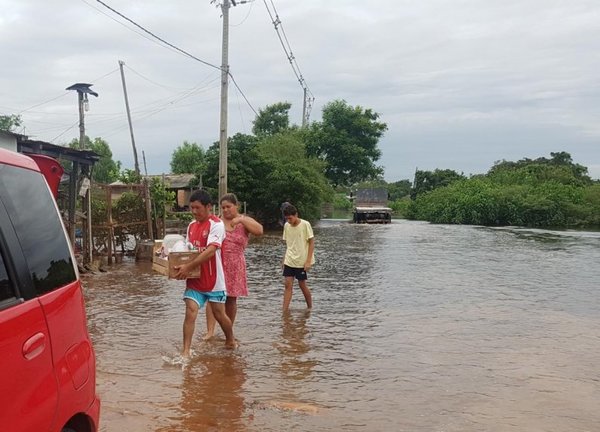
[158, 37]
[65, 131]
[166, 87]
[63, 94]
[176, 48]
[242, 93]
[278, 25]
[43, 103]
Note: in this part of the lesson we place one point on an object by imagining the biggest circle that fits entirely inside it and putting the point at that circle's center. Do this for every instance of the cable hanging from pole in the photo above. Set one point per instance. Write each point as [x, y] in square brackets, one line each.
[277, 24]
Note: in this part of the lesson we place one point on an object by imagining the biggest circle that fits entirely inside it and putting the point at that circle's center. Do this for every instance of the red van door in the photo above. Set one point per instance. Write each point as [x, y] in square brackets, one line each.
[28, 386]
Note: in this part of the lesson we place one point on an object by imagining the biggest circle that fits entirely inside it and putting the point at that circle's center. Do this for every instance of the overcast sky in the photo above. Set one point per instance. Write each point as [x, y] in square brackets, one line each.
[460, 83]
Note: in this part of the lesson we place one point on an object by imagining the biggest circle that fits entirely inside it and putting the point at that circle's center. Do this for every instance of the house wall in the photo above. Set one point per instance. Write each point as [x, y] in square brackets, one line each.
[8, 141]
[183, 197]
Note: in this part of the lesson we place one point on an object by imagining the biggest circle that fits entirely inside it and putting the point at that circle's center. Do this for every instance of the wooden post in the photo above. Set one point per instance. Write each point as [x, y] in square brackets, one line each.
[110, 224]
[148, 209]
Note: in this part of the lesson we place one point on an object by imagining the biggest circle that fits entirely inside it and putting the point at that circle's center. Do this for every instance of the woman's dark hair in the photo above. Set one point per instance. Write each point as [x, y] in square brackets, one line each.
[230, 197]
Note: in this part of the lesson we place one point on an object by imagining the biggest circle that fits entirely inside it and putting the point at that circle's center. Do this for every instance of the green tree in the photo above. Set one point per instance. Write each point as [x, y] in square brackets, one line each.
[265, 171]
[188, 159]
[106, 170]
[531, 192]
[575, 172]
[244, 167]
[399, 189]
[426, 181]
[272, 120]
[129, 176]
[10, 122]
[289, 173]
[346, 140]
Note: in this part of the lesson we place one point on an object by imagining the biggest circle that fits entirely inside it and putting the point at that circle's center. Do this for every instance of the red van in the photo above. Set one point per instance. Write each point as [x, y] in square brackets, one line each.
[47, 362]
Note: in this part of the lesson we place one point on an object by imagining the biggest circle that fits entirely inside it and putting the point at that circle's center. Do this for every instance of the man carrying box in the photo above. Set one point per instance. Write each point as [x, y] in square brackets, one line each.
[205, 233]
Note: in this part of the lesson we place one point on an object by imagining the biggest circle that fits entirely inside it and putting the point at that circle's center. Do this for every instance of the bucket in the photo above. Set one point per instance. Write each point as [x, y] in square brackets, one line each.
[143, 251]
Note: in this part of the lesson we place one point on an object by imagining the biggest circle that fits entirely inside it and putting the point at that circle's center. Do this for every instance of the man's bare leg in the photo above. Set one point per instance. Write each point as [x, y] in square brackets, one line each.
[307, 294]
[189, 325]
[231, 308]
[287, 293]
[210, 322]
[225, 323]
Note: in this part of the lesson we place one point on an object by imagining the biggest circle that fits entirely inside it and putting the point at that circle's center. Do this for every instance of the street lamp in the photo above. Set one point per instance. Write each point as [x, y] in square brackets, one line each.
[82, 90]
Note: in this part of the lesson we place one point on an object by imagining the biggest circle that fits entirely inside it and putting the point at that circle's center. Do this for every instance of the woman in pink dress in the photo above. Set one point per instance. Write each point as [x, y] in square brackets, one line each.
[237, 229]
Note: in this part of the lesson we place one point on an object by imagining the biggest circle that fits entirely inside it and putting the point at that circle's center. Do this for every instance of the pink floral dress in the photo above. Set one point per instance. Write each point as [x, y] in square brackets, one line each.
[234, 261]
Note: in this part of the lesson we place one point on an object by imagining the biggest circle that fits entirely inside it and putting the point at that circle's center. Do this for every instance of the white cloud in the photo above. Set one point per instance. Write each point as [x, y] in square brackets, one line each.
[460, 84]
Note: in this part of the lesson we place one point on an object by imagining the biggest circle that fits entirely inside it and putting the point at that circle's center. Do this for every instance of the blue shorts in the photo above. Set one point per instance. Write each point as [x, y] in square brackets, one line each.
[202, 297]
[297, 272]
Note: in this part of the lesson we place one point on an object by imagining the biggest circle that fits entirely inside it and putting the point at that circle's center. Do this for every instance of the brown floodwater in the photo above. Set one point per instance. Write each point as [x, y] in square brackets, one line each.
[415, 327]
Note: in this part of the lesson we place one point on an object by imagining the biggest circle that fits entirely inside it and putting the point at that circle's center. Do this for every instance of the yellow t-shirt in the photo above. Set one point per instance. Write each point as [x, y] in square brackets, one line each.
[296, 238]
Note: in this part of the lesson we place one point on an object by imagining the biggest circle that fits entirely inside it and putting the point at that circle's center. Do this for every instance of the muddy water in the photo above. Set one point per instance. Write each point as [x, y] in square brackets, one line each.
[416, 327]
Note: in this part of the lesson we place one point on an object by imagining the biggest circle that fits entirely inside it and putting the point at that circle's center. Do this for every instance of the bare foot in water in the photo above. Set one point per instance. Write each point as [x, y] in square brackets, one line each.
[208, 336]
[231, 344]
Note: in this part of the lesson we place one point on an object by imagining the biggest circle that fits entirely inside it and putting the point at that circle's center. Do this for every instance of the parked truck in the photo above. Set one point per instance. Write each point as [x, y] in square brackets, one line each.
[370, 206]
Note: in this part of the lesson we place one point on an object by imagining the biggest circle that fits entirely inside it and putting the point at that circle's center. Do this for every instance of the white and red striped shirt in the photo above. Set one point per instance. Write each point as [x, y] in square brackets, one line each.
[200, 235]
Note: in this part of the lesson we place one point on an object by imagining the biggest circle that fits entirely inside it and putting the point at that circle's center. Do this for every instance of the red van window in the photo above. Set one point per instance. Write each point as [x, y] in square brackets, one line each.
[33, 214]
[6, 289]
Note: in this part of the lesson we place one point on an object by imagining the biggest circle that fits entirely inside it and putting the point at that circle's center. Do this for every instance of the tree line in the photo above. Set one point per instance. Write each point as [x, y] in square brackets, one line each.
[279, 161]
[328, 159]
[545, 192]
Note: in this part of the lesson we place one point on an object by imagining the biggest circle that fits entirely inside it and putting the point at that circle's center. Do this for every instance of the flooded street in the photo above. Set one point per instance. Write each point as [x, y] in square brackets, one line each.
[415, 327]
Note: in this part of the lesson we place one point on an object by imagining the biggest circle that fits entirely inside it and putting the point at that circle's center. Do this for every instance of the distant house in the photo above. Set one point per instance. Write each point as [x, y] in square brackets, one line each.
[370, 206]
[180, 184]
[9, 140]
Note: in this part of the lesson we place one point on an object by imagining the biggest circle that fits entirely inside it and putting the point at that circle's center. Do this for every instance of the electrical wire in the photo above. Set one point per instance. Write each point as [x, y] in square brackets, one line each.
[65, 131]
[158, 37]
[290, 56]
[242, 93]
[176, 48]
[158, 84]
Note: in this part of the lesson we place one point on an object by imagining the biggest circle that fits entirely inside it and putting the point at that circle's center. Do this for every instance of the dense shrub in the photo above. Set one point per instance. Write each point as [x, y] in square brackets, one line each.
[535, 195]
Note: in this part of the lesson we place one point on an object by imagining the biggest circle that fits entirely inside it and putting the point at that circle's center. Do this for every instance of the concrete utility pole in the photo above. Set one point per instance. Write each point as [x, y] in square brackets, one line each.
[306, 106]
[304, 119]
[223, 123]
[135, 157]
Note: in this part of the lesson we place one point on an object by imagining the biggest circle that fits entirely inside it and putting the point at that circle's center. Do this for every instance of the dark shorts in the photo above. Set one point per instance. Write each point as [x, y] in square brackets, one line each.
[297, 272]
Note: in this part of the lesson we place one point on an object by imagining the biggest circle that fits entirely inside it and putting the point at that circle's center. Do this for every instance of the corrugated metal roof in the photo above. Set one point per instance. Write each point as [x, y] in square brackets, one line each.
[175, 181]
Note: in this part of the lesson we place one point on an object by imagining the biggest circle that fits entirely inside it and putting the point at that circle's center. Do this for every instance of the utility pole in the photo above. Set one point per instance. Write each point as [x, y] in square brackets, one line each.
[135, 157]
[304, 119]
[223, 122]
[82, 96]
[144, 159]
[306, 106]
[225, 6]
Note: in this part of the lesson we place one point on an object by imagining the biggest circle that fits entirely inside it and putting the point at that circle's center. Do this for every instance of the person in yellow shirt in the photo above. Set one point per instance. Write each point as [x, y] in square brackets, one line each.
[299, 255]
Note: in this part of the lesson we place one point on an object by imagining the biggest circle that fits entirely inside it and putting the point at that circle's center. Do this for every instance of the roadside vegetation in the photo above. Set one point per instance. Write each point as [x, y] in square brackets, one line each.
[323, 164]
[550, 192]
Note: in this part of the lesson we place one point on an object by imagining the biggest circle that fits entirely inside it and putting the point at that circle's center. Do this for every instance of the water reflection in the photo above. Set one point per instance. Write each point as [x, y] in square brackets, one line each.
[294, 348]
[212, 396]
[415, 327]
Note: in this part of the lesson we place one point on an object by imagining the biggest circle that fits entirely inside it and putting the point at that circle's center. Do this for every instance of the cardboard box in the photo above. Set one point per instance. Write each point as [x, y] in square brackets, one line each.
[167, 266]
